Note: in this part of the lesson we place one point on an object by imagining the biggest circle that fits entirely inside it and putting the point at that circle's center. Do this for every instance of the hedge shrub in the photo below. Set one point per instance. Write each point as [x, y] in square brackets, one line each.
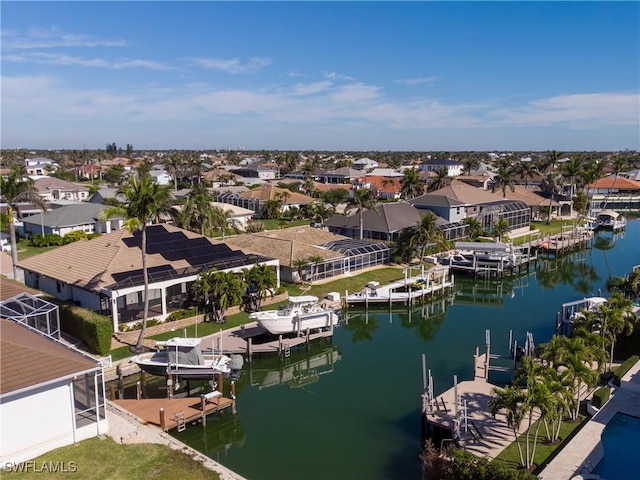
[92, 328]
[600, 397]
[620, 371]
[180, 314]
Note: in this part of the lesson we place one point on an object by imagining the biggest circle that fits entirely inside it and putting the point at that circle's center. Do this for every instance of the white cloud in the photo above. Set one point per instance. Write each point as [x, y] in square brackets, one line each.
[53, 38]
[418, 81]
[350, 109]
[62, 59]
[575, 111]
[233, 65]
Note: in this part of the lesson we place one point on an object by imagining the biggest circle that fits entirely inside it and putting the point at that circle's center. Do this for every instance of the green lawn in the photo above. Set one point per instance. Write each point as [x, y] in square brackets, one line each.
[277, 223]
[202, 329]
[97, 459]
[544, 452]
[554, 227]
[25, 250]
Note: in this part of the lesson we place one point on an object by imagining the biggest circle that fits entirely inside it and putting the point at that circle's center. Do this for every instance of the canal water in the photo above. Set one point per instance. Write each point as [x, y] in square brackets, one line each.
[350, 409]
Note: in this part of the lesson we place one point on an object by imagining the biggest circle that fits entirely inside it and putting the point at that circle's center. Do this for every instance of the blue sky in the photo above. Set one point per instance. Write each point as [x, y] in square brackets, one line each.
[321, 75]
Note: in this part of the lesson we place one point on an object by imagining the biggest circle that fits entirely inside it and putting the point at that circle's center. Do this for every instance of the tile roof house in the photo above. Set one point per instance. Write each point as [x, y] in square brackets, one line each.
[385, 222]
[51, 395]
[254, 199]
[384, 187]
[616, 193]
[460, 200]
[85, 217]
[51, 188]
[302, 243]
[105, 274]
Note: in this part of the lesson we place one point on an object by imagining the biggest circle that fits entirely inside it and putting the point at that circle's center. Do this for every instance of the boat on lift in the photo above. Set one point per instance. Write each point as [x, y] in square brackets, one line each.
[297, 315]
[184, 358]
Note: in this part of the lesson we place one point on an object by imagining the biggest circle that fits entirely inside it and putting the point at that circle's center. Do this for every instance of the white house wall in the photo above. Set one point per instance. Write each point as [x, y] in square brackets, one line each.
[36, 422]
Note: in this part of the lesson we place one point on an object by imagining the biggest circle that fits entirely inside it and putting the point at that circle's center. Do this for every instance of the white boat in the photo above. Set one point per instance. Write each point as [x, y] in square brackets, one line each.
[608, 219]
[297, 315]
[183, 358]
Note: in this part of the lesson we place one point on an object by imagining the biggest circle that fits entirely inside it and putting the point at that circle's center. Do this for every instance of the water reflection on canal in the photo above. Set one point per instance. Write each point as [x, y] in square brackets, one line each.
[349, 409]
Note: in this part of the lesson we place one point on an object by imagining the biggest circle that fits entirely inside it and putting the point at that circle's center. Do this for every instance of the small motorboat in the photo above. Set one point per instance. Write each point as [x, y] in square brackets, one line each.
[183, 357]
[297, 315]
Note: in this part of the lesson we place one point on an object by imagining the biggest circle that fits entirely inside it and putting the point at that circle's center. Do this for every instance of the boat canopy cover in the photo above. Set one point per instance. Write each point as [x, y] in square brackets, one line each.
[303, 299]
[185, 356]
[609, 213]
[180, 342]
[484, 247]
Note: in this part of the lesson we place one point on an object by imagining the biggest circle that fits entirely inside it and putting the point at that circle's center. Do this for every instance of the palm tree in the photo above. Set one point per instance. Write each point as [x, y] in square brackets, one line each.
[504, 179]
[617, 317]
[15, 188]
[475, 227]
[501, 228]
[550, 186]
[300, 264]
[219, 290]
[470, 163]
[571, 171]
[618, 166]
[411, 184]
[425, 233]
[145, 202]
[197, 214]
[441, 180]
[315, 261]
[549, 167]
[261, 279]
[174, 166]
[220, 219]
[363, 199]
[512, 400]
[628, 286]
[526, 171]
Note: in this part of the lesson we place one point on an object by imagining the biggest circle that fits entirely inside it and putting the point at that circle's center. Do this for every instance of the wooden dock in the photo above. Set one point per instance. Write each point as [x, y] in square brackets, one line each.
[251, 338]
[565, 241]
[406, 291]
[171, 413]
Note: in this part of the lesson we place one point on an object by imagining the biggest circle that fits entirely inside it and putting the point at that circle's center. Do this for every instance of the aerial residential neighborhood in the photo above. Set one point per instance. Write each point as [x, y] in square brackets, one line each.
[320, 240]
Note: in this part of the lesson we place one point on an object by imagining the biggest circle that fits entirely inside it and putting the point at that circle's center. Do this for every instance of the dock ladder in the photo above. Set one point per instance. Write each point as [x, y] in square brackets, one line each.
[182, 426]
[286, 350]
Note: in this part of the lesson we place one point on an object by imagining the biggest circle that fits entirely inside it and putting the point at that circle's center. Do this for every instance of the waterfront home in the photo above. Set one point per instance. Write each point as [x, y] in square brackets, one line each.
[385, 222]
[255, 171]
[335, 254]
[51, 395]
[105, 274]
[464, 201]
[616, 193]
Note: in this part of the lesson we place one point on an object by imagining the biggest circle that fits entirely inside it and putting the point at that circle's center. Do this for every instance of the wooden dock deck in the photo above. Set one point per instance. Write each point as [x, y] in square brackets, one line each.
[406, 291]
[252, 338]
[148, 410]
[564, 241]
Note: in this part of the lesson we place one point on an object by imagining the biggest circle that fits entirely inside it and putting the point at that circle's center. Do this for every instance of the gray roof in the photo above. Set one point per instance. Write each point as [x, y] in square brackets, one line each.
[437, 161]
[387, 217]
[69, 216]
[435, 201]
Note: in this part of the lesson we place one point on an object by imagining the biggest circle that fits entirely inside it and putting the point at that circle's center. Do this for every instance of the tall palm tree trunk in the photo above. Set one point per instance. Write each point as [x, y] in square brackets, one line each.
[14, 246]
[361, 218]
[145, 276]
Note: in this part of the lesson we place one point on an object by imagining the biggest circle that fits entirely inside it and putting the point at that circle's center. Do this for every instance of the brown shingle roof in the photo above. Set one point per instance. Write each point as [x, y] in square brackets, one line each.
[467, 194]
[28, 358]
[10, 288]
